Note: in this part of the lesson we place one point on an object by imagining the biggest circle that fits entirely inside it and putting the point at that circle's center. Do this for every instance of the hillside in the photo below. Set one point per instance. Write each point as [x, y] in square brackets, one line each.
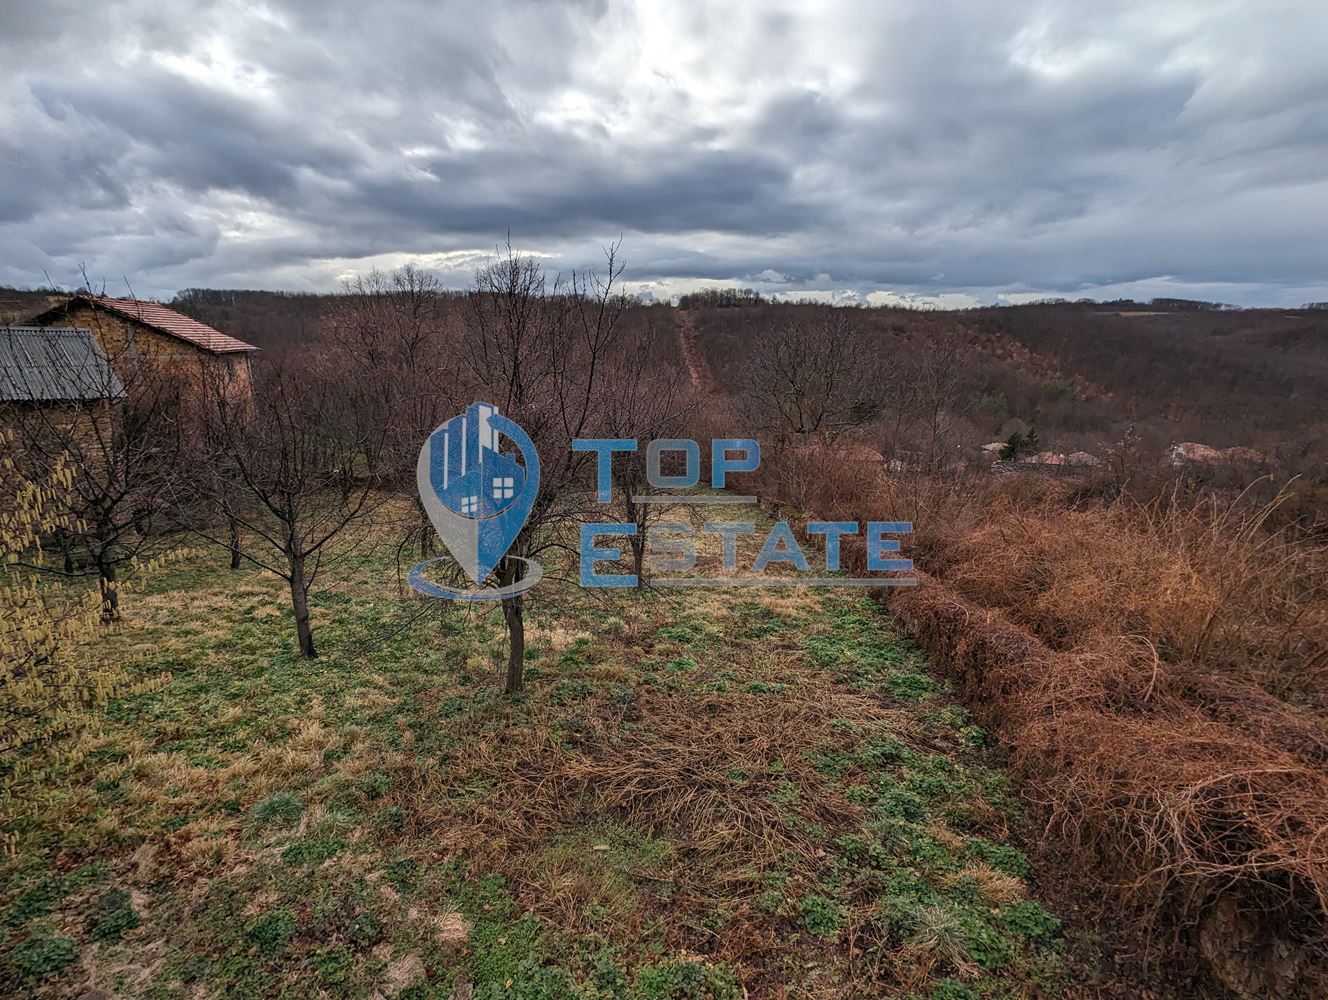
[1085, 375]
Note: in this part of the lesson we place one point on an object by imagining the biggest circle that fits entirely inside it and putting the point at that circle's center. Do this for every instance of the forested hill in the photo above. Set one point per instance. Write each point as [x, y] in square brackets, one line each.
[1085, 372]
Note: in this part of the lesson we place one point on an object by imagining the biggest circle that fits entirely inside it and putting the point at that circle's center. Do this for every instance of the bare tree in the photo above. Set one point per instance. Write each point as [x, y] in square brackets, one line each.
[931, 391]
[539, 351]
[285, 465]
[122, 420]
[645, 398]
[396, 331]
[814, 378]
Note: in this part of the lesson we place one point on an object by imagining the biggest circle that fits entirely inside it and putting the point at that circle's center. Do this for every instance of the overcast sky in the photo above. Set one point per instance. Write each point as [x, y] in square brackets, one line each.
[932, 151]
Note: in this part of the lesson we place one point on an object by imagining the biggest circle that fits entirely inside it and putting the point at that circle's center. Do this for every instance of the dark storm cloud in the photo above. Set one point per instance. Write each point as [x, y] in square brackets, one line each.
[1068, 148]
[193, 137]
[680, 191]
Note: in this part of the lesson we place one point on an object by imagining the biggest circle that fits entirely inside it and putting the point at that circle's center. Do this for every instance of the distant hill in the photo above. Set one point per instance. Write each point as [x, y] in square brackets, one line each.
[1086, 372]
[17, 304]
[1083, 372]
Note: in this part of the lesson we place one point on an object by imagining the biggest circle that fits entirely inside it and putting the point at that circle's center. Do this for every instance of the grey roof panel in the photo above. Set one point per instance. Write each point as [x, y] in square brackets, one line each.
[54, 364]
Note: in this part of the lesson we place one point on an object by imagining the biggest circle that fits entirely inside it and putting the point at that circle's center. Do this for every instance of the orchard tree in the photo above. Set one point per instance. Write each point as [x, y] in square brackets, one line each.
[286, 466]
[814, 378]
[124, 422]
[540, 350]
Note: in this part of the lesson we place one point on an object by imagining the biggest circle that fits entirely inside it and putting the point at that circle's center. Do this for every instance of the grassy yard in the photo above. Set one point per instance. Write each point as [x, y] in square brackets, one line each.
[701, 794]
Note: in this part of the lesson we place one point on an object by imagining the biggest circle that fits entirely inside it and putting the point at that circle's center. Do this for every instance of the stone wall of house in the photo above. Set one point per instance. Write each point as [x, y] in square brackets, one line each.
[38, 433]
[122, 338]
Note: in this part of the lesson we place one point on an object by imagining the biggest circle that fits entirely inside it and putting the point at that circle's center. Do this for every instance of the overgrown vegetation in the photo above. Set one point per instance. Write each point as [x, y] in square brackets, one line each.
[771, 816]
[704, 795]
[1159, 672]
[49, 685]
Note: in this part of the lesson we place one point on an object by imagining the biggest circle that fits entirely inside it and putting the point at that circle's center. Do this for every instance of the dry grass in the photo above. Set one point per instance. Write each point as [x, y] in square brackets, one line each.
[1185, 811]
[685, 782]
[1161, 673]
[1201, 584]
[670, 772]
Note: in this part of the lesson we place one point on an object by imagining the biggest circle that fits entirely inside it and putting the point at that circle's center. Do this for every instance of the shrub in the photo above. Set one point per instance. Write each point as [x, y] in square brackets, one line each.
[821, 916]
[114, 915]
[42, 957]
[49, 694]
[1057, 389]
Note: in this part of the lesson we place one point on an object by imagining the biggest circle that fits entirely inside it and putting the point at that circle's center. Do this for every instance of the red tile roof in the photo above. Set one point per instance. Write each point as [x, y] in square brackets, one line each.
[159, 317]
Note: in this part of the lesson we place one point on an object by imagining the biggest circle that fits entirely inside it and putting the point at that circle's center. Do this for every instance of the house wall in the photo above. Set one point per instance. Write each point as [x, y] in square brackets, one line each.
[122, 338]
[41, 431]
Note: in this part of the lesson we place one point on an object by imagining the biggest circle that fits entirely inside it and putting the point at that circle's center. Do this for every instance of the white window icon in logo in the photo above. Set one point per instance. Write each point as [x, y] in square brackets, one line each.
[469, 505]
[504, 487]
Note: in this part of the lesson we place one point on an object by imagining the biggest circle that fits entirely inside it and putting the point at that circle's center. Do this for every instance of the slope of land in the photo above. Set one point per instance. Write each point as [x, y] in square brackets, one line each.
[717, 794]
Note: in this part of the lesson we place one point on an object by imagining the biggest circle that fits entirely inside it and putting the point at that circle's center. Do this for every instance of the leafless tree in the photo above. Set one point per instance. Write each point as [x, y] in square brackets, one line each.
[813, 378]
[931, 399]
[539, 350]
[124, 427]
[397, 331]
[645, 398]
[285, 464]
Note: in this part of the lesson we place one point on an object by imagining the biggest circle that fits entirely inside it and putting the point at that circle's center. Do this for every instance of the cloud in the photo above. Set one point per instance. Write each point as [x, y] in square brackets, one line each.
[943, 153]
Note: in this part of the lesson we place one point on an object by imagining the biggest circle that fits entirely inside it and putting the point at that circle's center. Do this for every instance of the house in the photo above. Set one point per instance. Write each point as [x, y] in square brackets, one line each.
[139, 329]
[57, 389]
[1076, 459]
[1049, 463]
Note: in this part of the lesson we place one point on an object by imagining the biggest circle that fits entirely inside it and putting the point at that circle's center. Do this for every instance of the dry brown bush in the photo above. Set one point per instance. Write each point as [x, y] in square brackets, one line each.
[1185, 813]
[1159, 672]
[1202, 584]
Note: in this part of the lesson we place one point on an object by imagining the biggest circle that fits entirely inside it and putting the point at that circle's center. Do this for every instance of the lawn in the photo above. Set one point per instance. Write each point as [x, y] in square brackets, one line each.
[701, 793]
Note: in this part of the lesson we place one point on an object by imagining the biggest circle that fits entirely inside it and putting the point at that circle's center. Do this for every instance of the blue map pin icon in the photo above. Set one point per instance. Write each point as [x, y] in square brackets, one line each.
[477, 497]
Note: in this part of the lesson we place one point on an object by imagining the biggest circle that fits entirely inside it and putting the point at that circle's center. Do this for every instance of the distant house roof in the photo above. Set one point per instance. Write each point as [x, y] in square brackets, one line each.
[1191, 452]
[159, 317]
[54, 364]
[1053, 458]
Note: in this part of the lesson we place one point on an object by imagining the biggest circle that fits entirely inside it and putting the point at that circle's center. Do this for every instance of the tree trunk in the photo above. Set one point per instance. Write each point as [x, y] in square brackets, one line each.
[234, 543]
[110, 596]
[638, 559]
[300, 602]
[510, 572]
[66, 550]
[636, 514]
[426, 530]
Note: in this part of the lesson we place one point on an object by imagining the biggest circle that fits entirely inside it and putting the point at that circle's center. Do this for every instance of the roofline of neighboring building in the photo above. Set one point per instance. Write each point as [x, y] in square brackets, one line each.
[108, 381]
[105, 303]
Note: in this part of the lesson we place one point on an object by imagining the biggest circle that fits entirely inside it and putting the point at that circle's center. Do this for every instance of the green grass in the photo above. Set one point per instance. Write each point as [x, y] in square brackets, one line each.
[384, 820]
